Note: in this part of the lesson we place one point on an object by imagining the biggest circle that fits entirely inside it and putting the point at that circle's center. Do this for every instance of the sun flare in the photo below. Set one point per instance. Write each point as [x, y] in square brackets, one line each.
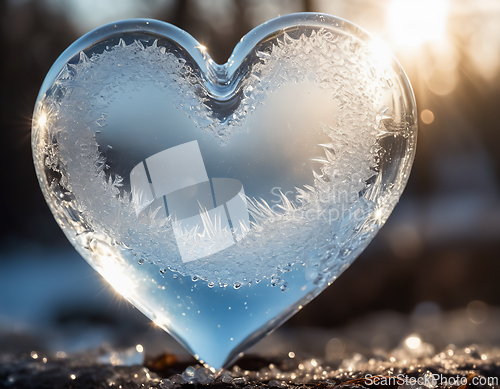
[416, 22]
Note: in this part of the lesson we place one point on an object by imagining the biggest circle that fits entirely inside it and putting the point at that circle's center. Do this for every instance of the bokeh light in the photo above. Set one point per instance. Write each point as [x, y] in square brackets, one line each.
[427, 116]
[477, 311]
[413, 342]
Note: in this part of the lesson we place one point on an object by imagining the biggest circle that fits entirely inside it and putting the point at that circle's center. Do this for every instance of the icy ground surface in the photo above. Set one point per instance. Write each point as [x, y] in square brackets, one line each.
[459, 345]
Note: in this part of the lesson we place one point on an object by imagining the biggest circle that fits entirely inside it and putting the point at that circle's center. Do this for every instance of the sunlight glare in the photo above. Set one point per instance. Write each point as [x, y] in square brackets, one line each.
[111, 266]
[42, 120]
[162, 322]
[415, 22]
[380, 50]
[118, 281]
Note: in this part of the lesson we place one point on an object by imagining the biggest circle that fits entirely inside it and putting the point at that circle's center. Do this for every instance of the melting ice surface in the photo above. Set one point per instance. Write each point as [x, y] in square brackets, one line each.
[317, 130]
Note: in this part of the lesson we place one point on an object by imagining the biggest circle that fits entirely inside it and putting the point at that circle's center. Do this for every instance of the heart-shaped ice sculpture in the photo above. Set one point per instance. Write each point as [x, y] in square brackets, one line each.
[220, 199]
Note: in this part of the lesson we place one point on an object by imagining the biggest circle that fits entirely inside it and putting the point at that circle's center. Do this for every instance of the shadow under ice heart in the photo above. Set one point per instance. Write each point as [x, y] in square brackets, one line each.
[220, 199]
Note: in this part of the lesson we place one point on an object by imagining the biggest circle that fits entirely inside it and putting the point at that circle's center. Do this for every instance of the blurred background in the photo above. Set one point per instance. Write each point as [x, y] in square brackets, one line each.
[439, 251]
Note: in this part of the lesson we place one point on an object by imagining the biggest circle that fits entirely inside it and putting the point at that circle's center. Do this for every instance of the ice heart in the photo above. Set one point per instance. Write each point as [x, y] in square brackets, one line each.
[220, 199]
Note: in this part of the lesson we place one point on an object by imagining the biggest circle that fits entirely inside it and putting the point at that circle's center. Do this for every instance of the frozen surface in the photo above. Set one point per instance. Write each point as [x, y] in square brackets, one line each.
[450, 344]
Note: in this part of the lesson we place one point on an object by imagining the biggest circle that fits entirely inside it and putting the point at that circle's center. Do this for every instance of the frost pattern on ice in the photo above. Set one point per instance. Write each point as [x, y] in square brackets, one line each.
[321, 237]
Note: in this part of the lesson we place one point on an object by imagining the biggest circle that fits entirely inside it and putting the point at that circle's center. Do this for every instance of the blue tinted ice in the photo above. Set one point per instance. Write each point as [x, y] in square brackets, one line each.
[220, 199]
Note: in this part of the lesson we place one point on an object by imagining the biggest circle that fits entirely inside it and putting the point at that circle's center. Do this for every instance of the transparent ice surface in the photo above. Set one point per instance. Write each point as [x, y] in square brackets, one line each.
[318, 128]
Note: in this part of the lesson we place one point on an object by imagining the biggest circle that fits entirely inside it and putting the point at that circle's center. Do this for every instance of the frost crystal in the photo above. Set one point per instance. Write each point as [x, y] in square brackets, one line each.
[320, 231]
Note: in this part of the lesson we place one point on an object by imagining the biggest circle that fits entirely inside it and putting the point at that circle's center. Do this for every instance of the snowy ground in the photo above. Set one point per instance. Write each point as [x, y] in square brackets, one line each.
[287, 359]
